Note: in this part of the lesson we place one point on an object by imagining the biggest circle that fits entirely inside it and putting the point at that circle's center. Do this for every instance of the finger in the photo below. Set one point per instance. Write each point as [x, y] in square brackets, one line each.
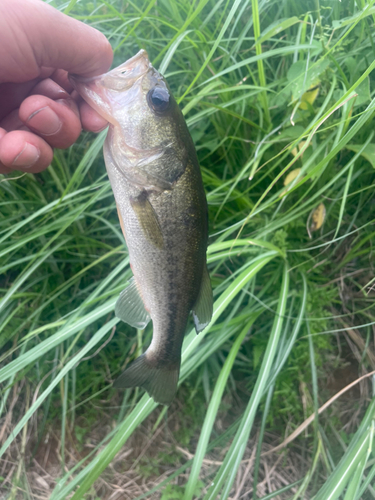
[3, 169]
[21, 150]
[58, 122]
[60, 76]
[12, 121]
[90, 119]
[48, 38]
[12, 94]
[49, 88]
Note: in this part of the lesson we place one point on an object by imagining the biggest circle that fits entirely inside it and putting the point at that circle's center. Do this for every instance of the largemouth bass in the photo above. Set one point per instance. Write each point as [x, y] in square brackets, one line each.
[154, 173]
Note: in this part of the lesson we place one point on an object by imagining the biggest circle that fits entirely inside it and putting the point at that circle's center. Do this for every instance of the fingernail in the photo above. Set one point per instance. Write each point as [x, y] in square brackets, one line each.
[45, 121]
[27, 157]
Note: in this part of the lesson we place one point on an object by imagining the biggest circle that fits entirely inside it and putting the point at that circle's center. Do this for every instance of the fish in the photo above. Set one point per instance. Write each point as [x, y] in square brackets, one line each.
[155, 176]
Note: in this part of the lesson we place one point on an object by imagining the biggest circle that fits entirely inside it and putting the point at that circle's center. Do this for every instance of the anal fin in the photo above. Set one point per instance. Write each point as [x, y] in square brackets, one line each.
[203, 307]
[130, 307]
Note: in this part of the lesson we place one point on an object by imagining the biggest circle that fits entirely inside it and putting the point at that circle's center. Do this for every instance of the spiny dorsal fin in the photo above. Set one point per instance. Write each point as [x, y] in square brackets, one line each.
[148, 219]
[130, 307]
[203, 307]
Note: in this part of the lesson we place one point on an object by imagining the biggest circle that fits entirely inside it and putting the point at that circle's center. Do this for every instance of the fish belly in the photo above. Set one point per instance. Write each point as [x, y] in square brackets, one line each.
[168, 278]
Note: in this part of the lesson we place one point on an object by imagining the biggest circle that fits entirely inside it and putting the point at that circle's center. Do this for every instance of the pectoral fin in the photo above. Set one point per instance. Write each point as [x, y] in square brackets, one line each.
[202, 310]
[130, 307]
[147, 219]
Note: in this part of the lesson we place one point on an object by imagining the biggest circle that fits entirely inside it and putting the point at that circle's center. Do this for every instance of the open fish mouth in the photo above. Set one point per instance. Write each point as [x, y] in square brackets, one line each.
[130, 70]
[97, 90]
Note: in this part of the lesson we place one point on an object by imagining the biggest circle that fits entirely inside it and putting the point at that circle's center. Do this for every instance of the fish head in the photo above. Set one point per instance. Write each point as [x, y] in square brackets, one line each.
[134, 96]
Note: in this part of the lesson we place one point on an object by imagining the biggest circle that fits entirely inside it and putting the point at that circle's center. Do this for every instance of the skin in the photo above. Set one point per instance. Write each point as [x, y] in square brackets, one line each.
[39, 110]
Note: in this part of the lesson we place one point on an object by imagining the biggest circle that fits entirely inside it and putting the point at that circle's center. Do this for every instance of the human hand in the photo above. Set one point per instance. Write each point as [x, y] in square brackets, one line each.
[38, 108]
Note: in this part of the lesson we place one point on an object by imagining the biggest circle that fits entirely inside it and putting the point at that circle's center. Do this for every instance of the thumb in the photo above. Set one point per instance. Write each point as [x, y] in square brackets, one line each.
[34, 35]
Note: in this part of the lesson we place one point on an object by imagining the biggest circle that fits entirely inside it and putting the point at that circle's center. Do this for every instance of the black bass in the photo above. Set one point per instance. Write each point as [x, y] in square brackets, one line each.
[154, 173]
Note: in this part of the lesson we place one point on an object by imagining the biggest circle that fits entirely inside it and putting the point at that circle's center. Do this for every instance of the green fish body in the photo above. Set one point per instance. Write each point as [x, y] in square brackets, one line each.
[154, 173]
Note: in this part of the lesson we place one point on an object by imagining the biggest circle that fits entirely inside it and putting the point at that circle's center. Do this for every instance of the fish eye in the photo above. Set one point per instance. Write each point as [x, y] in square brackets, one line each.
[158, 99]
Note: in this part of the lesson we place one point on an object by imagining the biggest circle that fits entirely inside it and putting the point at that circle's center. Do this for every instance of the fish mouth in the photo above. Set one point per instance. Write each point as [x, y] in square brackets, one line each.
[139, 62]
[132, 68]
[99, 91]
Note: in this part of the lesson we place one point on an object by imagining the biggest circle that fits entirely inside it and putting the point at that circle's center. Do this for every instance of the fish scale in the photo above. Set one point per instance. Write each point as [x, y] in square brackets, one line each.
[155, 177]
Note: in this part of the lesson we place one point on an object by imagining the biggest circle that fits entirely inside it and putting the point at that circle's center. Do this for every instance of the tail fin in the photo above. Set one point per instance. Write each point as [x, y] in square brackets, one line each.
[160, 383]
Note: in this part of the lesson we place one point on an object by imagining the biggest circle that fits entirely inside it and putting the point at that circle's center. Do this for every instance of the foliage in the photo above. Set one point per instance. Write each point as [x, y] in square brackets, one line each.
[266, 87]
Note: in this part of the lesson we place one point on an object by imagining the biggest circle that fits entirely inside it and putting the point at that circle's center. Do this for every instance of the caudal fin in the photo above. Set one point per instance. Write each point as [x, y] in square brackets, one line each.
[160, 383]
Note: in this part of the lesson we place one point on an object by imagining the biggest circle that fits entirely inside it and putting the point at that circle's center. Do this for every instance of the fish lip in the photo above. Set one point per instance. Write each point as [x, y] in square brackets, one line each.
[92, 92]
[134, 61]
[130, 71]
[77, 81]
[130, 64]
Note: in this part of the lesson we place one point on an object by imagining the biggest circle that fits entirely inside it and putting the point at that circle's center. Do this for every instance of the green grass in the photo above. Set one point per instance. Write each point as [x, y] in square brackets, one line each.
[290, 310]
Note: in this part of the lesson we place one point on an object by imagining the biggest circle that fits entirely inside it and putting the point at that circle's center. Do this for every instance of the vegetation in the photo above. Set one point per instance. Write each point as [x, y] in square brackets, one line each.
[278, 96]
